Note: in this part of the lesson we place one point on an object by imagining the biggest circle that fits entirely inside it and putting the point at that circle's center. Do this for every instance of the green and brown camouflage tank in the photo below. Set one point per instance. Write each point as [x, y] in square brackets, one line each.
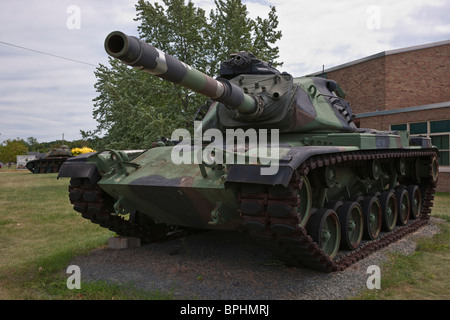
[275, 157]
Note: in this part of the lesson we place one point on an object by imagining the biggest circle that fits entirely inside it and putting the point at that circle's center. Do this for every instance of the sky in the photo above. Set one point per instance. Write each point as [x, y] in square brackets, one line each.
[49, 49]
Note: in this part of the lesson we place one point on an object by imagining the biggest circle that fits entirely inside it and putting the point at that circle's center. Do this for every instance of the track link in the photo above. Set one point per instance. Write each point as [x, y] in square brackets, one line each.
[292, 244]
[45, 165]
[95, 205]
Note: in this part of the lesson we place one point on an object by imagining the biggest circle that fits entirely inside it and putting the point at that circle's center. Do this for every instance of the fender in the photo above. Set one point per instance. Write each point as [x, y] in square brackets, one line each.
[78, 167]
[288, 164]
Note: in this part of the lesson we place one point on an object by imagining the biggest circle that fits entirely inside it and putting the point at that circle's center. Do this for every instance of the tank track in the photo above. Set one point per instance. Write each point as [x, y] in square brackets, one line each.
[45, 165]
[95, 205]
[292, 243]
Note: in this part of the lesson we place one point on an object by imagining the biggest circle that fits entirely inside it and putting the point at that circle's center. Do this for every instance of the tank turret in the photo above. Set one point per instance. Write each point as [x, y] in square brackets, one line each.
[62, 151]
[249, 93]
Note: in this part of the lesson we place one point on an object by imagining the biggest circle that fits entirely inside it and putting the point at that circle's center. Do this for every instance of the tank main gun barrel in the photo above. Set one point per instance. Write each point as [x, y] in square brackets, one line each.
[141, 55]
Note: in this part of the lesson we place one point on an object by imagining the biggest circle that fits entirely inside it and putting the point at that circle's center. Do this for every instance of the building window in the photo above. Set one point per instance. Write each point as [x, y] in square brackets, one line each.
[440, 126]
[418, 128]
[399, 127]
[438, 131]
[442, 143]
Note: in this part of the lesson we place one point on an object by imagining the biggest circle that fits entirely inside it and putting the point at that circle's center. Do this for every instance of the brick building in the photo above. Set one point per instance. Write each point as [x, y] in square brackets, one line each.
[405, 89]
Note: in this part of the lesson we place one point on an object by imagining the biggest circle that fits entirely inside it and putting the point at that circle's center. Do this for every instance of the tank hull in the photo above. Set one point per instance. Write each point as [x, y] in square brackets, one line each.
[46, 165]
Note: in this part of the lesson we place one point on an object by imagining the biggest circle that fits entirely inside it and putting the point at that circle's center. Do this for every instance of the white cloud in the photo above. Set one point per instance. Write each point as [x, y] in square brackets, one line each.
[43, 96]
[331, 32]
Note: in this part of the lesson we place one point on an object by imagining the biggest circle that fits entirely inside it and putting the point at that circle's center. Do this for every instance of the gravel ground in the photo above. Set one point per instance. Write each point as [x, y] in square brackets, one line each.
[229, 266]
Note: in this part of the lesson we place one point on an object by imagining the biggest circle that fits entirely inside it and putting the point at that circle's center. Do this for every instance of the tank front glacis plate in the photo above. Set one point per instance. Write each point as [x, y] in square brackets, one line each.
[170, 193]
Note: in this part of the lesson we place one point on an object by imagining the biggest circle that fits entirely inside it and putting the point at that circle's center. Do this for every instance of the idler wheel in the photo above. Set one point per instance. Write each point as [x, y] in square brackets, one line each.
[415, 198]
[389, 210]
[352, 222]
[324, 229]
[403, 205]
[372, 217]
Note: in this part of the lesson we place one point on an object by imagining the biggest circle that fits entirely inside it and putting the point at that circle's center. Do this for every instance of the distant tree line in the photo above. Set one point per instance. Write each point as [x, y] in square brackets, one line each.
[133, 109]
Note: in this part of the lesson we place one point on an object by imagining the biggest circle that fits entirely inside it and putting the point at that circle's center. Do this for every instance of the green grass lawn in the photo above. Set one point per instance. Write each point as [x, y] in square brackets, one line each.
[423, 275]
[39, 230]
[40, 233]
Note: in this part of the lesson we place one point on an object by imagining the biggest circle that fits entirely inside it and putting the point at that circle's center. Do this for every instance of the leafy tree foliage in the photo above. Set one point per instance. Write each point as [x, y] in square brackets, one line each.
[9, 149]
[33, 145]
[235, 31]
[133, 109]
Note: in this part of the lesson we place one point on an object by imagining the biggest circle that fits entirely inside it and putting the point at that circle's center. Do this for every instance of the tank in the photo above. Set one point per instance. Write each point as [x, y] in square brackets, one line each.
[278, 158]
[52, 161]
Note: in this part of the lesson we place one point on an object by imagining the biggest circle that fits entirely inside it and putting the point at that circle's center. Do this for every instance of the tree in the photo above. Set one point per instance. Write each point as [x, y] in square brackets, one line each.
[133, 109]
[32, 143]
[235, 32]
[265, 33]
[9, 150]
[232, 29]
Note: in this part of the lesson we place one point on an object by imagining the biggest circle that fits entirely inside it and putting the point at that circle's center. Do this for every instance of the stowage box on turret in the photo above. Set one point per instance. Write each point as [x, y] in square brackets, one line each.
[276, 157]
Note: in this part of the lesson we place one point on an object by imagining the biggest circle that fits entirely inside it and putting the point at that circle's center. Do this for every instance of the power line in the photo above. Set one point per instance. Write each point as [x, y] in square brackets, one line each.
[49, 54]
[77, 61]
